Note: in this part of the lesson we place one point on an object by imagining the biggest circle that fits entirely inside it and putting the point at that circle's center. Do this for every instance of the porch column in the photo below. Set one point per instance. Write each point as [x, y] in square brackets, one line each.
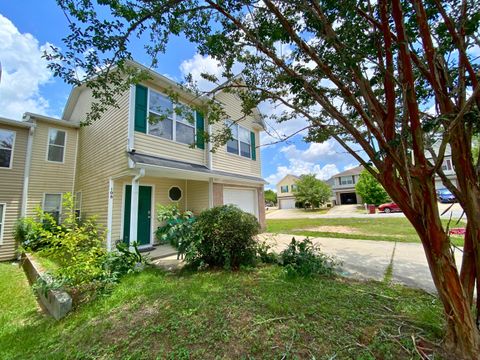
[110, 215]
[134, 207]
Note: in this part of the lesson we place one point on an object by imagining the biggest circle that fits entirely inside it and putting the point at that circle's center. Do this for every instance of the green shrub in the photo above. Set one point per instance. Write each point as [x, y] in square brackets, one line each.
[33, 234]
[223, 236]
[177, 229]
[303, 258]
[77, 248]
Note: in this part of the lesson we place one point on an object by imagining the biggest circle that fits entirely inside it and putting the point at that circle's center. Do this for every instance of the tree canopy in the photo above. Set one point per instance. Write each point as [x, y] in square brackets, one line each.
[312, 192]
[385, 79]
[371, 191]
[270, 196]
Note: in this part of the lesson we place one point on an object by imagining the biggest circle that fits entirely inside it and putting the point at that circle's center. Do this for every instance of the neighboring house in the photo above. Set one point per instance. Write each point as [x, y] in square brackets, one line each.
[285, 189]
[122, 165]
[447, 166]
[343, 186]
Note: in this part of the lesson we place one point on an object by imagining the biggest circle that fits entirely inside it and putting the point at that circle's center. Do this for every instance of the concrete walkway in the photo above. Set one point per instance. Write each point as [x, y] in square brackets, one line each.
[366, 259]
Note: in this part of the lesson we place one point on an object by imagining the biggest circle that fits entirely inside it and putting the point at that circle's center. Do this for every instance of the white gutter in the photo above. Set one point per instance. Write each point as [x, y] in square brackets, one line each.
[209, 150]
[26, 173]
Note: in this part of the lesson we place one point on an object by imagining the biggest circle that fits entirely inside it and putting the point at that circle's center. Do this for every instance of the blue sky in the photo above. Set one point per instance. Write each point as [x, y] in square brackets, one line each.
[27, 29]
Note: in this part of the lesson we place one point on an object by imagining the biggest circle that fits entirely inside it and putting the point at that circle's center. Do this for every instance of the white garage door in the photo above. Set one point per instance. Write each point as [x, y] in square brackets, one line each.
[287, 204]
[245, 199]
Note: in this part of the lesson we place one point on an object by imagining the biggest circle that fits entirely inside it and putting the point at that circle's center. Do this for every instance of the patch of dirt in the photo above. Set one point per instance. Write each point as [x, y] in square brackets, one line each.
[333, 229]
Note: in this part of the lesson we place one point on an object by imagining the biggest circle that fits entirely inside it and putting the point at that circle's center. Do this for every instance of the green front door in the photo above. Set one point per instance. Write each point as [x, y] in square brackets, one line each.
[144, 214]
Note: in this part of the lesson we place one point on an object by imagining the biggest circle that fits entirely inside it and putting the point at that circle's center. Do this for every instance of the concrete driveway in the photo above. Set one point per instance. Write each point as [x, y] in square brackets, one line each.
[366, 259]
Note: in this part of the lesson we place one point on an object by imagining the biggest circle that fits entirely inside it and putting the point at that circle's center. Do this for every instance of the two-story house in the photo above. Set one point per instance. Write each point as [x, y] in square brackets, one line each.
[447, 166]
[124, 164]
[285, 192]
[343, 186]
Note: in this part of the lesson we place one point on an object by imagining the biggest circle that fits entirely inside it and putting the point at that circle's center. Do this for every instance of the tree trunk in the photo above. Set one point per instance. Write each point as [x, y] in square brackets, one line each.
[462, 338]
[468, 271]
[468, 183]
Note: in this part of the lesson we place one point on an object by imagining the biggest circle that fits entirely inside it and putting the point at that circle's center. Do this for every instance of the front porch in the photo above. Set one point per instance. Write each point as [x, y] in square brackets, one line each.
[134, 197]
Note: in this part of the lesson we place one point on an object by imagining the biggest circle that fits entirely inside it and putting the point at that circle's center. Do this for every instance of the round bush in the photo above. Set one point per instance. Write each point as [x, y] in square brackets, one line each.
[226, 237]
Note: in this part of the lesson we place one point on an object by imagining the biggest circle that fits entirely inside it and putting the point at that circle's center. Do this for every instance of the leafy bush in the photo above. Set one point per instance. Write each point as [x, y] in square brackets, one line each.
[78, 250]
[35, 234]
[303, 258]
[223, 236]
[178, 228]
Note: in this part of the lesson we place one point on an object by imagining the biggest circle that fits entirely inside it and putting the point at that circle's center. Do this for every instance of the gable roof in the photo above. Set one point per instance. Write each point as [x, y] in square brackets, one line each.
[353, 171]
[294, 176]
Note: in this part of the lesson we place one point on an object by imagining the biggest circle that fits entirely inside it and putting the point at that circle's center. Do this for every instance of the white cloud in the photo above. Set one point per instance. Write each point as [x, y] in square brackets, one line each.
[202, 64]
[24, 71]
[307, 162]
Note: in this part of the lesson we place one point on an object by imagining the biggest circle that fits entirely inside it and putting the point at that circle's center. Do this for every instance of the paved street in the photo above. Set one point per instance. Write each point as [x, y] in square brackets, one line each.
[368, 259]
[352, 211]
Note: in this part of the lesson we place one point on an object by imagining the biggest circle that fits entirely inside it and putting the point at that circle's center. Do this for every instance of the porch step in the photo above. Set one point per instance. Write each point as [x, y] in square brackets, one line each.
[162, 251]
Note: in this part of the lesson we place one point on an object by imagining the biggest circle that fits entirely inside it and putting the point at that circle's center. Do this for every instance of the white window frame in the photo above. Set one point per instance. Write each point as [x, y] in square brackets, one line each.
[281, 190]
[181, 193]
[64, 146]
[12, 150]
[447, 165]
[351, 181]
[239, 152]
[173, 118]
[2, 221]
[60, 211]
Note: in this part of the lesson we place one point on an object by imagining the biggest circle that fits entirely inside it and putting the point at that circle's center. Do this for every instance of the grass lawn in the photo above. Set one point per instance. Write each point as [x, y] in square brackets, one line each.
[257, 314]
[391, 229]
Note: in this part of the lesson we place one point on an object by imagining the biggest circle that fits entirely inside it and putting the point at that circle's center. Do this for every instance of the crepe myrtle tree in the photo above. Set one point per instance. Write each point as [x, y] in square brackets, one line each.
[387, 77]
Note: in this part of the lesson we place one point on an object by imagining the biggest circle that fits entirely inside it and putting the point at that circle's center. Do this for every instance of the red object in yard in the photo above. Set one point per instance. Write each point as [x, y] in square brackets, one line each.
[372, 209]
[457, 231]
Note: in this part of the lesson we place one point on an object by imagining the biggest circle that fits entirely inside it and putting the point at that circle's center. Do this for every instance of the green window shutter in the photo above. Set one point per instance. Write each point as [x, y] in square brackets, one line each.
[200, 130]
[141, 93]
[254, 148]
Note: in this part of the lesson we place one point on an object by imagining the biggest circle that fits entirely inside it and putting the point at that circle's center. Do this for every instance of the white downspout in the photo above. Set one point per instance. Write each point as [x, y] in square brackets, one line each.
[210, 166]
[210, 193]
[26, 174]
[131, 120]
[134, 206]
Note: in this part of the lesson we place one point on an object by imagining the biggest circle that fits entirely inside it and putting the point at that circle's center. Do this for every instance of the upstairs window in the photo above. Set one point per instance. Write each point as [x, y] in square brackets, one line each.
[170, 121]
[346, 180]
[56, 145]
[447, 165]
[284, 189]
[7, 141]
[240, 142]
[294, 187]
[52, 204]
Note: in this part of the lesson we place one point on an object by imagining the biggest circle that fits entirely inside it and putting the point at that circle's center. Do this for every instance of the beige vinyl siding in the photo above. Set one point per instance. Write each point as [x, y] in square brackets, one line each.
[224, 161]
[11, 186]
[154, 145]
[161, 186]
[101, 154]
[288, 180]
[47, 176]
[197, 196]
